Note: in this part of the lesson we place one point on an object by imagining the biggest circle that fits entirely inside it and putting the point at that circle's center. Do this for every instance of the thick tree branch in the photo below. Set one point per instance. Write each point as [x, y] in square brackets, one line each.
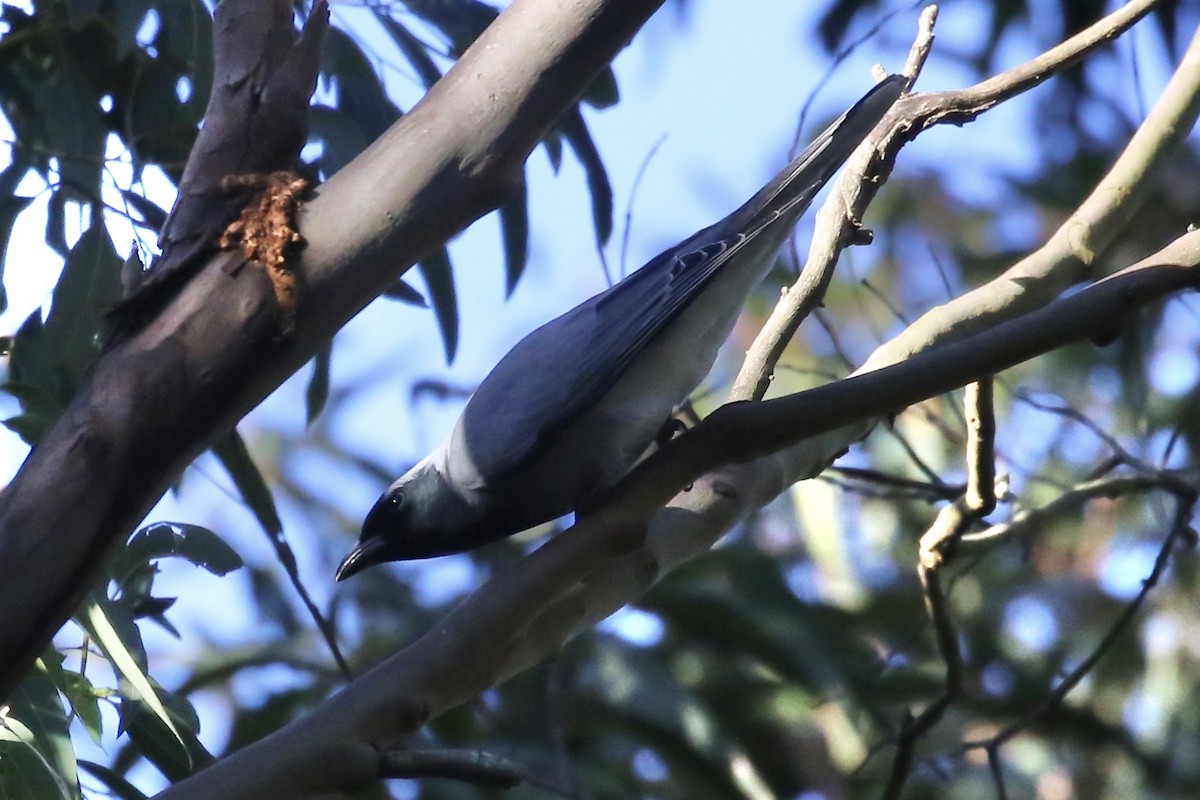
[158, 400]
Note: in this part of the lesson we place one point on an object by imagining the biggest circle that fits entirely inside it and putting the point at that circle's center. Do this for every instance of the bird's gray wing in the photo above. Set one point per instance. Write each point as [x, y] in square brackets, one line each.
[562, 369]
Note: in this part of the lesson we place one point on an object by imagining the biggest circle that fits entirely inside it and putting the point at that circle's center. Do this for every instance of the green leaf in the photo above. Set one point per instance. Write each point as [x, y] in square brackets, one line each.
[27, 364]
[514, 229]
[185, 37]
[101, 628]
[173, 748]
[439, 279]
[30, 427]
[318, 385]
[233, 455]
[37, 760]
[85, 701]
[120, 788]
[196, 544]
[90, 284]
[34, 399]
[68, 109]
[54, 355]
[127, 20]
[83, 697]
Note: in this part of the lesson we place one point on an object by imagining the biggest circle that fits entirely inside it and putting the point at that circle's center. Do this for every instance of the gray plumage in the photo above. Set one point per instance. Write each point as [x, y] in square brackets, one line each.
[573, 406]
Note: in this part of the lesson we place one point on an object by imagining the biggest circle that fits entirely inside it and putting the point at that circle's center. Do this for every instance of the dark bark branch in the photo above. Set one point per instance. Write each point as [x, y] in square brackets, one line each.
[158, 400]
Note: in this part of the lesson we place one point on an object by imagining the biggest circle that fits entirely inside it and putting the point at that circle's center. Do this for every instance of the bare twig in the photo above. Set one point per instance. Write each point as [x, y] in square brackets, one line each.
[1180, 533]
[1028, 520]
[936, 548]
[1030, 283]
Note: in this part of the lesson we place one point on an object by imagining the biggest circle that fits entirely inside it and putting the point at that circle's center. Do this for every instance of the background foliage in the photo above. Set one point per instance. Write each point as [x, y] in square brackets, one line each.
[779, 665]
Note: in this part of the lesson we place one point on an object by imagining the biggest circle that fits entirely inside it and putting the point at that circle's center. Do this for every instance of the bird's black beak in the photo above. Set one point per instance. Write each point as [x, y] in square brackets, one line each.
[365, 554]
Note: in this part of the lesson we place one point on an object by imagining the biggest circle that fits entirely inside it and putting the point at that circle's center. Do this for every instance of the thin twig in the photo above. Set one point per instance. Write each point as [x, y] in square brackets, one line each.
[1180, 532]
[633, 191]
[936, 548]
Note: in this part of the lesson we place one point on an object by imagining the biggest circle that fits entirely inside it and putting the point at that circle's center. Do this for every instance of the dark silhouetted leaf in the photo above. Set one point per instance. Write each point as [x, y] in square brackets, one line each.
[554, 149]
[603, 92]
[195, 544]
[168, 743]
[120, 788]
[439, 278]
[414, 50]
[54, 356]
[10, 207]
[361, 95]
[153, 216]
[405, 293]
[56, 223]
[233, 455]
[461, 21]
[30, 427]
[576, 132]
[514, 229]
[318, 385]
[341, 138]
[39, 410]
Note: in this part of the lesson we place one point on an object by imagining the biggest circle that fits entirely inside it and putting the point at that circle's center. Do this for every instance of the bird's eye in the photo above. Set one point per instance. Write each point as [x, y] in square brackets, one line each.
[396, 499]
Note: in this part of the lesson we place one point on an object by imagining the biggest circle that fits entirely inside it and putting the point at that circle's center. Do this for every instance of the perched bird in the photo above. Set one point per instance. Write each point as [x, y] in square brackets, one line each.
[576, 403]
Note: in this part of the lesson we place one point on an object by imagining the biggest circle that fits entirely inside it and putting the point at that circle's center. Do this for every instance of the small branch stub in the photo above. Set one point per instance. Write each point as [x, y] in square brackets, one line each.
[265, 233]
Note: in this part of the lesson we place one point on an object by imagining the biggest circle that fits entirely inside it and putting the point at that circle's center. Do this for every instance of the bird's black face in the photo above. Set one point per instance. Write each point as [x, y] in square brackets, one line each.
[384, 523]
[395, 530]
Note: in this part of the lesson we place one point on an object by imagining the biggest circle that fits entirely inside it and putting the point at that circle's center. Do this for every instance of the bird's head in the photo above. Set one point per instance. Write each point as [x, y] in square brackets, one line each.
[419, 516]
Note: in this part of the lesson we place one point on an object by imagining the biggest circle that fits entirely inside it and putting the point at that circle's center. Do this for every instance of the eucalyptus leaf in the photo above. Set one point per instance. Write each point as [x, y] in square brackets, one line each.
[403, 292]
[514, 230]
[576, 132]
[120, 788]
[439, 278]
[232, 453]
[54, 356]
[193, 543]
[101, 628]
[169, 742]
[317, 393]
[37, 759]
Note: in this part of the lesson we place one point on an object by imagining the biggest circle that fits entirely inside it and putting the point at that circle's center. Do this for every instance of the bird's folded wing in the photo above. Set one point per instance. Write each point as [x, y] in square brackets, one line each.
[554, 375]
